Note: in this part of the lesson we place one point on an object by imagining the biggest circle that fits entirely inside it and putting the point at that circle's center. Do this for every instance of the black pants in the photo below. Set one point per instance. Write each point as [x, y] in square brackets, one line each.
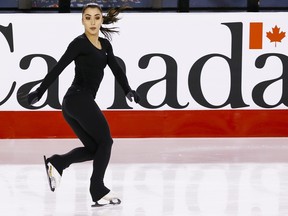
[89, 124]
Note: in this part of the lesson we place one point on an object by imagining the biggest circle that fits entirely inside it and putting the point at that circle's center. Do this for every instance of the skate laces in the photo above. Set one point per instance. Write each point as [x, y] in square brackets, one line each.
[54, 176]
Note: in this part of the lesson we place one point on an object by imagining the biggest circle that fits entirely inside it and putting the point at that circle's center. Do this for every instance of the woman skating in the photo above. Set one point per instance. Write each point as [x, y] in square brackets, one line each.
[91, 54]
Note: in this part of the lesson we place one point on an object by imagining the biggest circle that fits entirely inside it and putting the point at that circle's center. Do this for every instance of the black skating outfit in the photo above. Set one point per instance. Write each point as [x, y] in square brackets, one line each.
[80, 109]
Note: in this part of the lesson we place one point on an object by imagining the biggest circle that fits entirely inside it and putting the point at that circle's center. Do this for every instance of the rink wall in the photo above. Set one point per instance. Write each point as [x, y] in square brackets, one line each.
[198, 74]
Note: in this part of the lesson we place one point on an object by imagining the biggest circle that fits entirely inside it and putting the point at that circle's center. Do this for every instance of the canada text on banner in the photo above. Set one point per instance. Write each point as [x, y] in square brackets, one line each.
[194, 61]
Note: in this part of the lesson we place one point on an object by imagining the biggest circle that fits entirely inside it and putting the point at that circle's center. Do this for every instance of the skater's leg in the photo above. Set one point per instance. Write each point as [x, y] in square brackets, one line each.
[80, 154]
[80, 127]
[100, 163]
[77, 155]
[89, 124]
[92, 121]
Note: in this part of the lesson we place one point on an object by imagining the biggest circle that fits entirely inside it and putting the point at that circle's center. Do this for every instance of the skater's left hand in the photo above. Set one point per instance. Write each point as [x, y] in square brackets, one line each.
[33, 97]
[133, 94]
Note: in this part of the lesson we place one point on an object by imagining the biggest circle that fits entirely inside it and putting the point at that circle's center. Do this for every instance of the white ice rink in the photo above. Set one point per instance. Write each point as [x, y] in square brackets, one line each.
[153, 177]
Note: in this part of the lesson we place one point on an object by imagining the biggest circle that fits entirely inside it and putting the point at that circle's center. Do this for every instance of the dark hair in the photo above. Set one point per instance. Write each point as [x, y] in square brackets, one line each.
[109, 18]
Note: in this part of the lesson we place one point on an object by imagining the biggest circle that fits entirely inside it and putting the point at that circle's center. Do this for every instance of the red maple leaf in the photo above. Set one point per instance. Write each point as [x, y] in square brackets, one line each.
[276, 35]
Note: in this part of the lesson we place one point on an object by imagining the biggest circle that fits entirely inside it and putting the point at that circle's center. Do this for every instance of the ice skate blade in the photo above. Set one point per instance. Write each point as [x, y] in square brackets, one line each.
[54, 176]
[48, 176]
[112, 202]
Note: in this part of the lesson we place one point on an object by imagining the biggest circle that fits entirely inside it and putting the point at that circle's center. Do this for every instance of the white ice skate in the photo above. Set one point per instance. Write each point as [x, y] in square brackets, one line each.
[108, 200]
[53, 175]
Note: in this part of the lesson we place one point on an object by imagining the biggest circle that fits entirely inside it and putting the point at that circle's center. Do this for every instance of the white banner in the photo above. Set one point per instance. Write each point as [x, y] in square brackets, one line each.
[177, 61]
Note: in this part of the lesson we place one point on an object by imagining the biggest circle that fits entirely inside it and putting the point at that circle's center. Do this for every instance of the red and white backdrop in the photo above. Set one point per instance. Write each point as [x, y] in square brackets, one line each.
[199, 74]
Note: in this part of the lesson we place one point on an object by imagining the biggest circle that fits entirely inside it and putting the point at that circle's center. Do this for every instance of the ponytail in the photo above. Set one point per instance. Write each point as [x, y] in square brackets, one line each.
[110, 18]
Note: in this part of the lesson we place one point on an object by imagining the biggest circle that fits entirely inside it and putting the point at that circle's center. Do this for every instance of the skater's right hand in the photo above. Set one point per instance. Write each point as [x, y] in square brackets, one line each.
[33, 97]
[133, 94]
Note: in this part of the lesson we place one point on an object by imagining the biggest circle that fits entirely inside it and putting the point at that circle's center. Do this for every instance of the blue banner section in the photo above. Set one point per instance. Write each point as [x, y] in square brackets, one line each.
[148, 3]
[8, 3]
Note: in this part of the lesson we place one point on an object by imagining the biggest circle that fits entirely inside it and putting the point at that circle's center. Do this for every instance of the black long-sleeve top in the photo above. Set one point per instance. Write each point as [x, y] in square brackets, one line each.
[89, 65]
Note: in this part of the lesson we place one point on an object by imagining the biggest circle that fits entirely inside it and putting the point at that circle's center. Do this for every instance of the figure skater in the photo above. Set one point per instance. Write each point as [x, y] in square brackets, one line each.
[91, 53]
